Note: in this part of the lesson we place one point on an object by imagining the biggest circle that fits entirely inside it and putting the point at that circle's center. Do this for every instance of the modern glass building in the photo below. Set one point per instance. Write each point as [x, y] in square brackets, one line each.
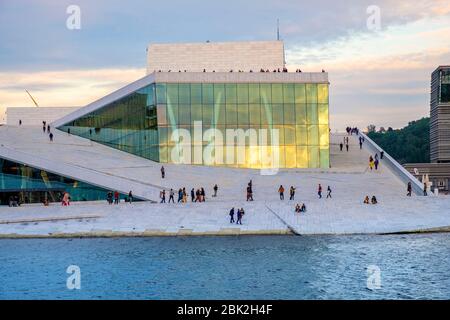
[32, 185]
[145, 119]
[440, 115]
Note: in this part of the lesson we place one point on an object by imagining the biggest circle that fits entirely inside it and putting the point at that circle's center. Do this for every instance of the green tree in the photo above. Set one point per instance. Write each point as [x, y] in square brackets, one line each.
[410, 144]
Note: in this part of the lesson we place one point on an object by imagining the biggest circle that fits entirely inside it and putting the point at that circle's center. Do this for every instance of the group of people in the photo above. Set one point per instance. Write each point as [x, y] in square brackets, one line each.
[361, 141]
[292, 190]
[114, 197]
[300, 208]
[46, 128]
[373, 200]
[239, 214]
[352, 130]
[284, 70]
[198, 195]
[341, 145]
[14, 201]
[374, 162]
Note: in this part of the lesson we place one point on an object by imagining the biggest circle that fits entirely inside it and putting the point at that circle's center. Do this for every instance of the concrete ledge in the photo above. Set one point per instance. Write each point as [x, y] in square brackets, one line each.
[146, 233]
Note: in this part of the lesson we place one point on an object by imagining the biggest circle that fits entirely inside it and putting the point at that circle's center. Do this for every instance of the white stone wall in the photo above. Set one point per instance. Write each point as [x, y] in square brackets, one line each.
[217, 56]
[33, 116]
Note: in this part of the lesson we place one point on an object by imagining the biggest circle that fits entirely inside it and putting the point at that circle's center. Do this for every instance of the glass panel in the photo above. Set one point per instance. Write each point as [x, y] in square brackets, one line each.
[300, 113]
[288, 93]
[313, 135]
[289, 113]
[242, 110]
[277, 114]
[266, 93]
[161, 112]
[280, 129]
[161, 93]
[207, 93]
[172, 93]
[291, 157]
[324, 158]
[324, 136]
[301, 135]
[208, 114]
[266, 114]
[254, 95]
[184, 113]
[313, 157]
[282, 156]
[172, 114]
[311, 113]
[311, 93]
[219, 114]
[231, 93]
[300, 94]
[219, 93]
[302, 157]
[162, 133]
[242, 93]
[196, 113]
[163, 153]
[184, 93]
[196, 93]
[289, 135]
[277, 93]
[323, 113]
[322, 93]
[231, 114]
[255, 114]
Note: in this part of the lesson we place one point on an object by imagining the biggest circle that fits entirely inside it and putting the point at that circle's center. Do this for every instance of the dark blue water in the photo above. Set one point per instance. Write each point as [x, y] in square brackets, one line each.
[259, 267]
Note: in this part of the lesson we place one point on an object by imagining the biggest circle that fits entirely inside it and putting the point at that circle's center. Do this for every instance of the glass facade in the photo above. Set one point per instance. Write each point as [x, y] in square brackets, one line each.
[444, 92]
[34, 185]
[168, 121]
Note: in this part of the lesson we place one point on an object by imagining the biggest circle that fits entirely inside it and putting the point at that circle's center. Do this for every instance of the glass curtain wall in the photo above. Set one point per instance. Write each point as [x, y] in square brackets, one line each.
[299, 112]
[147, 122]
[34, 185]
[128, 124]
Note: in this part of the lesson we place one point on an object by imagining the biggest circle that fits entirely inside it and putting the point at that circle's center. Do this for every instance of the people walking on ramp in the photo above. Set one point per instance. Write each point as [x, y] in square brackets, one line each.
[281, 192]
[240, 214]
[171, 194]
[232, 215]
[291, 193]
[250, 191]
[409, 189]
[328, 192]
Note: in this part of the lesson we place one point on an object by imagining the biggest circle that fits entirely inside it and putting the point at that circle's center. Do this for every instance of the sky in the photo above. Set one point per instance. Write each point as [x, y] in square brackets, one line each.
[378, 76]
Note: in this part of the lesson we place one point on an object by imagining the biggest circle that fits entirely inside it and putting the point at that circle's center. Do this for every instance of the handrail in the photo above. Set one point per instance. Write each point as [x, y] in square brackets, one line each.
[395, 167]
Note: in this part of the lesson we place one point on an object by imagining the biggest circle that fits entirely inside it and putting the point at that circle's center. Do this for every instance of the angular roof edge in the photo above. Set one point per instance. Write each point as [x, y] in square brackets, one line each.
[120, 93]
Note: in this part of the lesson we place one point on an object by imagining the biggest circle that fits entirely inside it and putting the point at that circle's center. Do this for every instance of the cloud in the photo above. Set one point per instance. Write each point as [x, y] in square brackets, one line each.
[62, 88]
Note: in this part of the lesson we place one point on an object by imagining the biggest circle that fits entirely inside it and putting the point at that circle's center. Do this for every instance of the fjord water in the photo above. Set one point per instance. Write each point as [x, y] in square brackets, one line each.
[415, 266]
